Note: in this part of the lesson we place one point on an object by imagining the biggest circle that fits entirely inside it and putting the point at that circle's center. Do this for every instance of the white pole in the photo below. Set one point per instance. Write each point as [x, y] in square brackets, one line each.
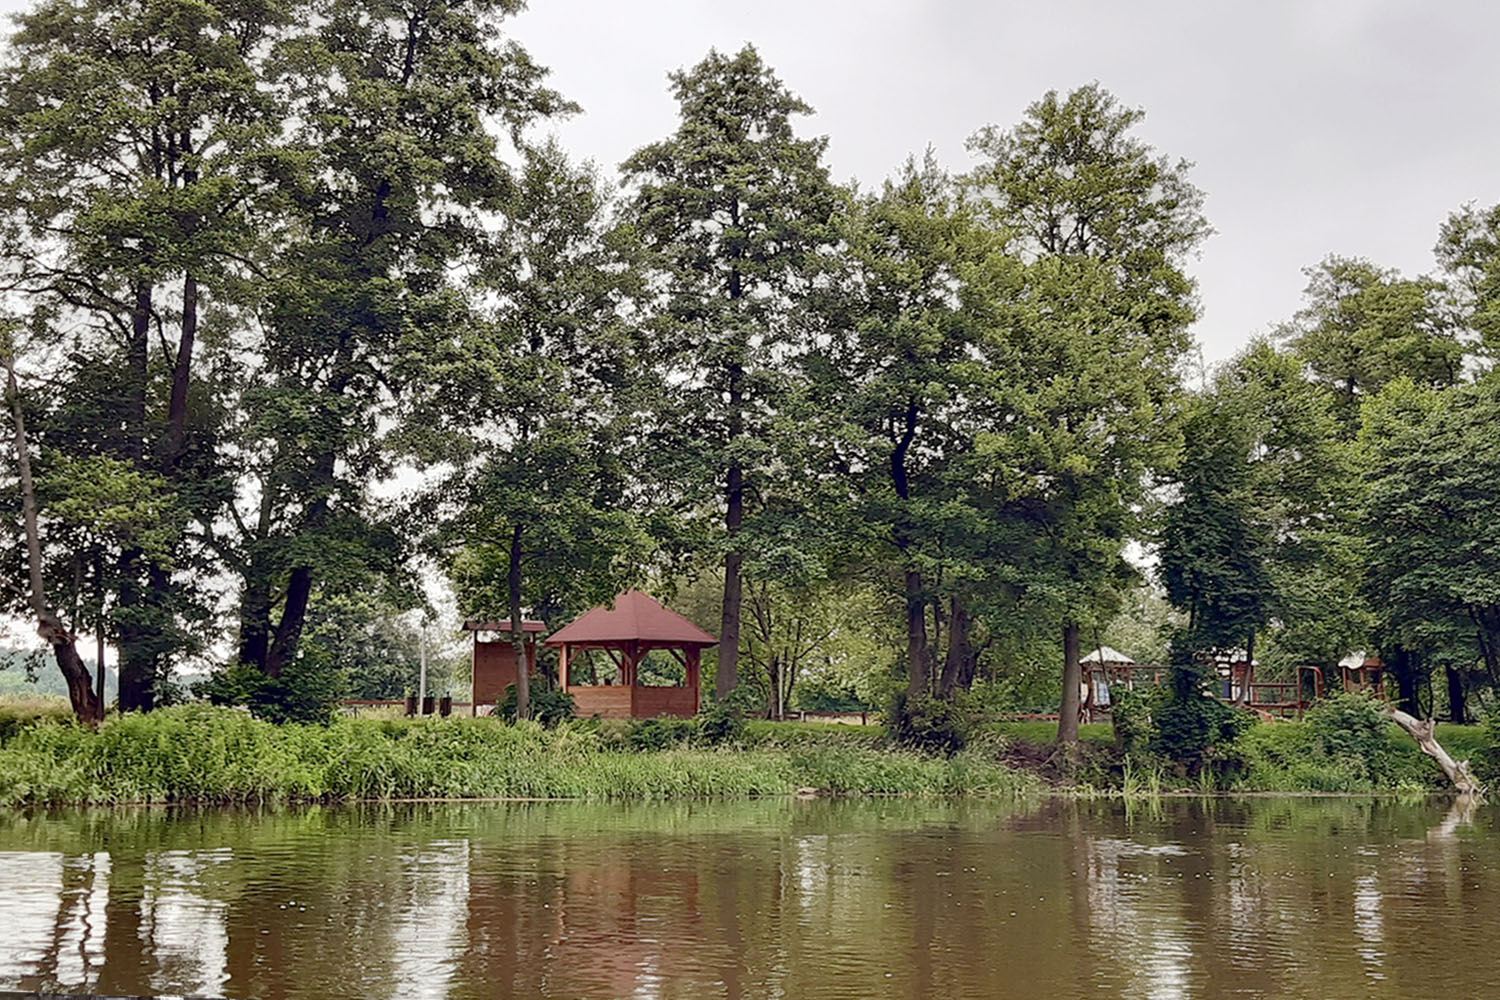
[422, 675]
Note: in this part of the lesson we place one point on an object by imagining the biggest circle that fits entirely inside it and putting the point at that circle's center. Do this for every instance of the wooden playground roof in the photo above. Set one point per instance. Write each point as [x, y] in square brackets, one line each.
[635, 617]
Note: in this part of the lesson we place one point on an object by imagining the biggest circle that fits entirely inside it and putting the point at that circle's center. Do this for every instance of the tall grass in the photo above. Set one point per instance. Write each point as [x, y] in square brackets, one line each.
[197, 753]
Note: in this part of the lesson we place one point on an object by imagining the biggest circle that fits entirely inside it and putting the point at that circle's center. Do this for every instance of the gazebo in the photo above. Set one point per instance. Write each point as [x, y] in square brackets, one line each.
[627, 632]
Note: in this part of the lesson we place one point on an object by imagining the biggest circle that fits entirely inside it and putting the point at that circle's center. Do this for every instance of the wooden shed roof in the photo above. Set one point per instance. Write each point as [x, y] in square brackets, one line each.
[489, 626]
[635, 617]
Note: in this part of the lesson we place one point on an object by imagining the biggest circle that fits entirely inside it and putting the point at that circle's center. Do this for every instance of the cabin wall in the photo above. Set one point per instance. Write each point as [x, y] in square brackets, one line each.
[654, 701]
[495, 669]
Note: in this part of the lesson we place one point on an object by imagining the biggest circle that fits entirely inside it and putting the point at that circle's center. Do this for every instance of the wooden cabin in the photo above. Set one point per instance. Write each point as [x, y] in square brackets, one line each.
[494, 660]
[626, 633]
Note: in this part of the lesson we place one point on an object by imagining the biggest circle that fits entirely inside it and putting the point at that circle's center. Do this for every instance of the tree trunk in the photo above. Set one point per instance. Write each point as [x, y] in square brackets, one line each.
[916, 636]
[48, 625]
[956, 662]
[1423, 732]
[293, 618]
[137, 665]
[99, 669]
[1457, 698]
[1067, 719]
[182, 370]
[917, 651]
[517, 633]
[1403, 665]
[255, 619]
[727, 677]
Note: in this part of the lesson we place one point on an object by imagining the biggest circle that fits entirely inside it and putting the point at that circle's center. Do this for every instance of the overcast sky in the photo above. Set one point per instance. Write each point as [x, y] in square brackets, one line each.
[1317, 126]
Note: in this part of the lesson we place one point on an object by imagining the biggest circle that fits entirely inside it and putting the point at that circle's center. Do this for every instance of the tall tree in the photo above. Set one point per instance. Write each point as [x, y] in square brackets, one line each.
[533, 411]
[894, 377]
[1363, 326]
[134, 140]
[736, 210]
[1432, 458]
[1468, 250]
[391, 106]
[1108, 225]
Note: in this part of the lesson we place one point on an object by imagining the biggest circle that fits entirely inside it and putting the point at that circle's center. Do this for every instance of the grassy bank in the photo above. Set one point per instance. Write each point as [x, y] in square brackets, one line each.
[201, 754]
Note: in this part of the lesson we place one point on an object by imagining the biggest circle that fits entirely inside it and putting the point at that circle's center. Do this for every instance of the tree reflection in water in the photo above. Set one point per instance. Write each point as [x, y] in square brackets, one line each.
[1267, 897]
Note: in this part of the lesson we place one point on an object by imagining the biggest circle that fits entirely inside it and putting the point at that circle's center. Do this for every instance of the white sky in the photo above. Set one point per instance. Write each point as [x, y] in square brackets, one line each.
[1317, 126]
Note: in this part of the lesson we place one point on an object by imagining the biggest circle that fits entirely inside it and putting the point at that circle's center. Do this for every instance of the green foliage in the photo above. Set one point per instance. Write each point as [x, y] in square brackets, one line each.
[1194, 731]
[722, 720]
[788, 735]
[1133, 716]
[932, 725]
[661, 734]
[306, 691]
[550, 706]
[1486, 756]
[1364, 326]
[1344, 744]
[17, 714]
[1433, 540]
[852, 770]
[199, 753]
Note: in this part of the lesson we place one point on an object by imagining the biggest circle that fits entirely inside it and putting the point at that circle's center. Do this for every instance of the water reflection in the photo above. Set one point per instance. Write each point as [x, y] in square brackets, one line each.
[1268, 898]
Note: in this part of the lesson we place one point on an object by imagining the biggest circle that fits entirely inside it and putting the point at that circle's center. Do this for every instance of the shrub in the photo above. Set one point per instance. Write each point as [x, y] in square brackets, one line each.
[17, 714]
[1486, 757]
[928, 724]
[722, 721]
[661, 734]
[1193, 730]
[550, 706]
[307, 691]
[1133, 715]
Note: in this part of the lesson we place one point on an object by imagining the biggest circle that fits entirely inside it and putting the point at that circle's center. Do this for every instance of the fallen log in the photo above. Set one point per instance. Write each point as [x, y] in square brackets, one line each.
[1423, 731]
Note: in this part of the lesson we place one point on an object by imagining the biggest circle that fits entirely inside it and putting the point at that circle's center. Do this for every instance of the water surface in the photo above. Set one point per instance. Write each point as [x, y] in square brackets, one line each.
[780, 898]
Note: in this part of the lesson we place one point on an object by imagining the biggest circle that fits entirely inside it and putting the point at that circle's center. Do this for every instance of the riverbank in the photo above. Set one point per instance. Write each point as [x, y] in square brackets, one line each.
[201, 754]
[206, 755]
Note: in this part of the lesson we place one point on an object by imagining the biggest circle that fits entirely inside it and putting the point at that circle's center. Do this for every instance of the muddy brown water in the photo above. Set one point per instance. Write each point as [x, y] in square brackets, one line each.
[779, 898]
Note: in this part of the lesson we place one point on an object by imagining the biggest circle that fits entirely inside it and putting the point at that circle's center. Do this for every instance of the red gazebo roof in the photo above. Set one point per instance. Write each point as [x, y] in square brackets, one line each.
[635, 617]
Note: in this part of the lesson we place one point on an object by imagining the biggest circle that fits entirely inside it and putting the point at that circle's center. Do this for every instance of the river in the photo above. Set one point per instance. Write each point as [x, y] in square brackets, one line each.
[774, 898]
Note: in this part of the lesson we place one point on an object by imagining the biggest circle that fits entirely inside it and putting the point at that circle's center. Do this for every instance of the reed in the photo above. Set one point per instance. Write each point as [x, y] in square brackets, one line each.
[202, 754]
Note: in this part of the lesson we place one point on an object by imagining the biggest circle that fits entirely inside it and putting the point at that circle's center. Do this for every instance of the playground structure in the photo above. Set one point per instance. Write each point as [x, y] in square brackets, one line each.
[1107, 671]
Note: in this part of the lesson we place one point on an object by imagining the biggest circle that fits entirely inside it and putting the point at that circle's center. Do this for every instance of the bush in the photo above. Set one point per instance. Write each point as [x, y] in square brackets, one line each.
[1351, 730]
[1133, 715]
[17, 714]
[1194, 730]
[1486, 756]
[307, 691]
[1344, 744]
[662, 734]
[722, 721]
[928, 724]
[550, 706]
